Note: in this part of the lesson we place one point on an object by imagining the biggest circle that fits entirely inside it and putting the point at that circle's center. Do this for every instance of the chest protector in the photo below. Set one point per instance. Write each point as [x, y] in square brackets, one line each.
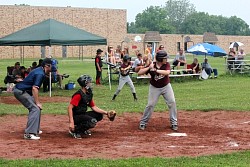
[83, 103]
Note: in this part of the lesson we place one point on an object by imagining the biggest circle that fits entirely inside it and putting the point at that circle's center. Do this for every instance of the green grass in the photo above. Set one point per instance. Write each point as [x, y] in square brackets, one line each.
[240, 159]
[224, 93]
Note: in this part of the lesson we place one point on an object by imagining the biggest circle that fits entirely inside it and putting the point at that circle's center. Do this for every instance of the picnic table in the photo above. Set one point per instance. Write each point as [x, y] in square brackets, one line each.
[237, 66]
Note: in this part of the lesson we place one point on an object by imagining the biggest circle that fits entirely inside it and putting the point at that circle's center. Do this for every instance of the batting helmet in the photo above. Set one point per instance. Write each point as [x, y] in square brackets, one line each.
[160, 55]
[126, 57]
[83, 80]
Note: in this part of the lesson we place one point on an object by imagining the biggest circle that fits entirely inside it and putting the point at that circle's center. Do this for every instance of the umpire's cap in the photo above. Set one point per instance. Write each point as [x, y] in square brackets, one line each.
[46, 61]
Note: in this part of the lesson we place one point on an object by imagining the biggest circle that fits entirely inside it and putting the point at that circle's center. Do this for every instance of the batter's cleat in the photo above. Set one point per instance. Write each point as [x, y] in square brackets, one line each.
[31, 136]
[142, 127]
[40, 132]
[75, 135]
[174, 127]
[87, 132]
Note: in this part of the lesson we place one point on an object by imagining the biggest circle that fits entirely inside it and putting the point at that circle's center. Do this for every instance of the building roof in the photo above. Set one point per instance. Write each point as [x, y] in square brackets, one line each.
[209, 37]
[152, 36]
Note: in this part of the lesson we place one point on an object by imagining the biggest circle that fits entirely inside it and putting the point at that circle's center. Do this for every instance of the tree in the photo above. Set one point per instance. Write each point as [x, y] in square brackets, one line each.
[237, 26]
[177, 11]
[200, 22]
[153, 19]
[131, 28]
[179, 16]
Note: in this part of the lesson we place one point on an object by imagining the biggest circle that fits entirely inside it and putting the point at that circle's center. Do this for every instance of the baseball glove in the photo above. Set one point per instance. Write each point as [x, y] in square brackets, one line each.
[111, 115]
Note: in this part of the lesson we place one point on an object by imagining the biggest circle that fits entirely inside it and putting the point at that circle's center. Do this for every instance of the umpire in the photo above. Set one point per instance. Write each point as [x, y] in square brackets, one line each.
[27, 93]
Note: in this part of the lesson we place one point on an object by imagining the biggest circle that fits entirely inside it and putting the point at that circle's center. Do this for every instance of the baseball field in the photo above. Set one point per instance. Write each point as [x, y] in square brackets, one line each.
[213, 113]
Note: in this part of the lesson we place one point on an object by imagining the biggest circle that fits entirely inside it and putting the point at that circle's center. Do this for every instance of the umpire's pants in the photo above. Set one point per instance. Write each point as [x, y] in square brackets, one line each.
[33, 124]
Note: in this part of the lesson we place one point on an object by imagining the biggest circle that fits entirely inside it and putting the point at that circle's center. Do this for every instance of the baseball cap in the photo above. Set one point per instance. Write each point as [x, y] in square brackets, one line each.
[46, 61]
[99, 51]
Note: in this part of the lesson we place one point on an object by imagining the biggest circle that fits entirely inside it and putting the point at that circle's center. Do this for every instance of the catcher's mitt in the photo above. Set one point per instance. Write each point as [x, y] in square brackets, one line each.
[111, 115]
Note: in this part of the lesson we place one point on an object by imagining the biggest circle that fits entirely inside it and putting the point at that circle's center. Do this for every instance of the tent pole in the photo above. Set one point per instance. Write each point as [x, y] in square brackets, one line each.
[79, 52]
[109, 75]
[49, 52]
[82, 53]
[50, 84]
[20, 53]
[23, 55]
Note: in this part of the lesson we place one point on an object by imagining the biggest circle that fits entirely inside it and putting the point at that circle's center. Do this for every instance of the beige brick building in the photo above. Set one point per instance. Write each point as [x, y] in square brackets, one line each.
[108, 23]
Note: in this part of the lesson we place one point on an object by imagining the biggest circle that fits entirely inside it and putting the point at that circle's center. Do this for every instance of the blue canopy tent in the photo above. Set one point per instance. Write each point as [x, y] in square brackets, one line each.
[206, 49]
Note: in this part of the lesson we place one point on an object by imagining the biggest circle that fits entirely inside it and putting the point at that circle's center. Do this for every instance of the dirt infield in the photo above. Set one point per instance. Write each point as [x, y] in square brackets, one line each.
[207, 133]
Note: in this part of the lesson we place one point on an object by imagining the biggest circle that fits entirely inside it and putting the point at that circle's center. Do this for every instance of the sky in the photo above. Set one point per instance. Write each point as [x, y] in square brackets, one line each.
[225, 8]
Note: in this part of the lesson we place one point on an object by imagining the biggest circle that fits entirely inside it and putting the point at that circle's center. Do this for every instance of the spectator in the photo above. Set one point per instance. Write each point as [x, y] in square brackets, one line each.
[56, 77]
[22, 74]
[138, 63]
[231, 58]
[40, 62]
[180, 59]
[98, 66]
[209, 69]
[16, 72]
[110, 55]
[118, 54]
[241, 55]
[148, 50]
[195, 66]
[33, 66]
[146, 60]
[137, 52]
[161, 47]
[125, 51]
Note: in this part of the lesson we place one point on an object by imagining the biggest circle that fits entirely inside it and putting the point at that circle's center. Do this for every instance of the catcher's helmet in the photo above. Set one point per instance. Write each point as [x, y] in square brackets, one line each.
[160, 55]
[83, 80]
[126, 57]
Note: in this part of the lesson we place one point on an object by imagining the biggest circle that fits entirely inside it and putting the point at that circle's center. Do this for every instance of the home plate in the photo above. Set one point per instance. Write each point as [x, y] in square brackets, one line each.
[177, 134]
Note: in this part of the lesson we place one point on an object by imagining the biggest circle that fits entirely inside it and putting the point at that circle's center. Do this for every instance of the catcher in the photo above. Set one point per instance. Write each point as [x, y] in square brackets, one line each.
[80, 121]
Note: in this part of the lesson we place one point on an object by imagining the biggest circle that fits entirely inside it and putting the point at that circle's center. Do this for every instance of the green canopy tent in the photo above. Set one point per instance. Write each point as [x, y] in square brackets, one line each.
[52, 32]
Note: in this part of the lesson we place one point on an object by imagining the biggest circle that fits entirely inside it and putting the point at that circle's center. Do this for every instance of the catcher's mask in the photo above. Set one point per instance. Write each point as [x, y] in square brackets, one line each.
[160, 55]
[126, 58]
[85, 81]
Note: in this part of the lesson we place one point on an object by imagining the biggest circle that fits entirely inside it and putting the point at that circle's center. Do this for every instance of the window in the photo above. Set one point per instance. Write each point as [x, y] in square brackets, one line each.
[178, 45]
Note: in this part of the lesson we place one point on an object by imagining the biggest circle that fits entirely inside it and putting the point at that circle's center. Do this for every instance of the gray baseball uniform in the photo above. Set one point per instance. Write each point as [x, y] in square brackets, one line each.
[160, 85]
